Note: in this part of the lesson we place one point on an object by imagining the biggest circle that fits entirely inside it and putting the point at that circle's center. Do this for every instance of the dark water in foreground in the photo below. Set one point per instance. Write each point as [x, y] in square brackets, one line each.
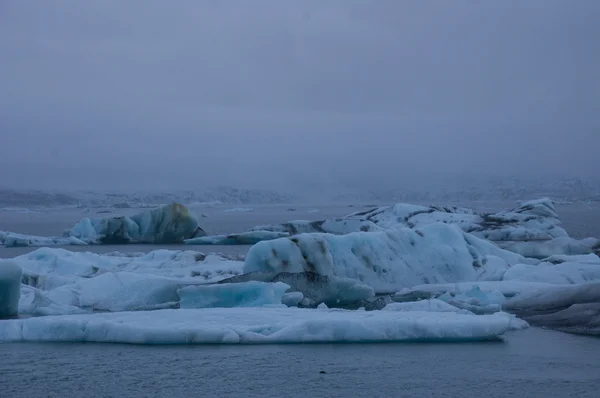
[532, 363]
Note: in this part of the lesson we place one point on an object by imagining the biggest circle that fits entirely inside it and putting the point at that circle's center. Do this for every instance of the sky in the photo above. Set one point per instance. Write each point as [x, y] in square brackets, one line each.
[169, 95]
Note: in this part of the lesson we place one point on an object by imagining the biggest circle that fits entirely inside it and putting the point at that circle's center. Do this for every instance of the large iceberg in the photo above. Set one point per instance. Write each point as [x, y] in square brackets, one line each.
[531, 229]
[171, 223]
[388, 260]
[10, 284]
[256, 325]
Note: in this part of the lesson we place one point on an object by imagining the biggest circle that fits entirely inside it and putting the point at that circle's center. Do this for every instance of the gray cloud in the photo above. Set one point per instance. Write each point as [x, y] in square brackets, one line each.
[155, 94]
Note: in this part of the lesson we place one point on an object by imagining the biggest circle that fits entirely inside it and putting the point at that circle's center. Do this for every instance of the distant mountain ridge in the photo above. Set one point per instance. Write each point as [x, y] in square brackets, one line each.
[432, 190]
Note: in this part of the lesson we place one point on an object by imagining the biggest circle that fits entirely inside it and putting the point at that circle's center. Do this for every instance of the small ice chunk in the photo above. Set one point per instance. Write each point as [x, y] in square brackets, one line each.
[292, 299]
[322, 306]
[244, 238]
[239, 210]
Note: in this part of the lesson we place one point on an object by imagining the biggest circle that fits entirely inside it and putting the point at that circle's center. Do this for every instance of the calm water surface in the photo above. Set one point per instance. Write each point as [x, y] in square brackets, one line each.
[531, 363]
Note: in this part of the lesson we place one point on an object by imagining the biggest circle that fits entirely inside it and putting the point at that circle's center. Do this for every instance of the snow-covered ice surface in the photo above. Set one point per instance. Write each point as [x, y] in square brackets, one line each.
[10, 284]
[256, 325]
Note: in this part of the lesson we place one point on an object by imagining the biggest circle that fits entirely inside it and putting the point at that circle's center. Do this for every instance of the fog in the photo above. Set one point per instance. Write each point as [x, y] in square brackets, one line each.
[157, 94]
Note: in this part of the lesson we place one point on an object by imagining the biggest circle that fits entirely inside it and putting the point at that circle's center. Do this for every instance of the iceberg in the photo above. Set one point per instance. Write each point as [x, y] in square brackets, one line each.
[239, 210]
[171, 223]
[262, 325]
[245, 238]
[531, 229]
[10, 285]
[228, 295]
[387, 261]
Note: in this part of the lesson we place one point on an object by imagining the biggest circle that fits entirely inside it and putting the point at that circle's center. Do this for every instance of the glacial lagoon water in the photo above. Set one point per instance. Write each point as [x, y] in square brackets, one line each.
[529, 363]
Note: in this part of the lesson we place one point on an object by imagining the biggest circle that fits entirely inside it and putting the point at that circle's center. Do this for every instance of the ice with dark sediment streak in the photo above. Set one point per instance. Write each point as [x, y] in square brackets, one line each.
[10, 285]
[389, 260]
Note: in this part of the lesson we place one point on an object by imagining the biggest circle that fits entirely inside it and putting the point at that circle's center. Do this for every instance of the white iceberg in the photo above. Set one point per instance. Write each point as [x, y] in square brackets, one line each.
[228, 295]
[10, 285]
[264, 325]
[387, 261]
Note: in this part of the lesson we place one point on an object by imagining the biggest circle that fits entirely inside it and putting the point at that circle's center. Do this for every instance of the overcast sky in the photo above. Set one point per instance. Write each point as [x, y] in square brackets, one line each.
[161, 94]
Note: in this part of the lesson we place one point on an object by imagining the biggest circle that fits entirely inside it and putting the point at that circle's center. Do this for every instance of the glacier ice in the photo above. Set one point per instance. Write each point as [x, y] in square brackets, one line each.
[227, 295]
[10, 288]
[387, 261]
[266, 325]
[171, 223]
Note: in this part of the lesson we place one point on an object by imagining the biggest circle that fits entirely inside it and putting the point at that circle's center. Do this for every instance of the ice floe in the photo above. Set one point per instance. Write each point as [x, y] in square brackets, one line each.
[256, 325]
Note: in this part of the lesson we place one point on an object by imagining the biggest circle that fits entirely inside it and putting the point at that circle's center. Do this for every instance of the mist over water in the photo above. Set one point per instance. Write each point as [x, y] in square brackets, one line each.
[282, 95]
